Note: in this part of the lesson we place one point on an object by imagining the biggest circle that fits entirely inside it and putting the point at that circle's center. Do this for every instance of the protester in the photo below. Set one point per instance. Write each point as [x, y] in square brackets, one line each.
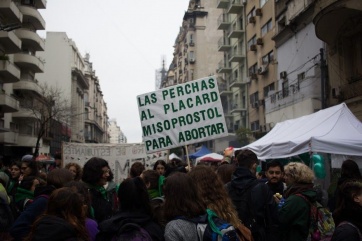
[111, 190]
[136, 169]
[225, 172]
[252, 199]
[14, 177]
[95, 175]
[6, 217]
[134, 208]
[160, 167]
[181, 200]
[25, 191]
[55, 179]
[28, 167]
[64, 218]
[349, 171]
[75, 169]
[214, 195]
[294, 214]
[347, 216]
[90, 224]
[154, 183]
[275, 173]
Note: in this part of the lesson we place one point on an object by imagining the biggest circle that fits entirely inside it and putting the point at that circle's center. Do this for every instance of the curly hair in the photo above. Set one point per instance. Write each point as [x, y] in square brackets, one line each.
[92, 170]
[67, 204]
[299, 172]
[78, 170]
[213, 193]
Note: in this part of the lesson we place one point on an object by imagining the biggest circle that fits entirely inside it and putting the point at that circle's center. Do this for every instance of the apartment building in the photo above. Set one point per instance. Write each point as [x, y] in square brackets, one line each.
[195, 51]
[232, 66]
[297, 89]
[73, 74]
[339, 25]
[19, 43]
[116, 135]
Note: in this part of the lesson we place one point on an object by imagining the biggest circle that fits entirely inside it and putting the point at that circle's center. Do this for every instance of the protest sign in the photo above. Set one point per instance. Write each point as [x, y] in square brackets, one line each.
[119, 156]
[181, 114]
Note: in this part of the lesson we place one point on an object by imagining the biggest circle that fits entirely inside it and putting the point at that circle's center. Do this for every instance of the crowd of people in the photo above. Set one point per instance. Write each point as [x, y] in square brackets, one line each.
[168, 201]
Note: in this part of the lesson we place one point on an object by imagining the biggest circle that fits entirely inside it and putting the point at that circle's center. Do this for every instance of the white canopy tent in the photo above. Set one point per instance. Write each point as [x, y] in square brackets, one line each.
[333, 130]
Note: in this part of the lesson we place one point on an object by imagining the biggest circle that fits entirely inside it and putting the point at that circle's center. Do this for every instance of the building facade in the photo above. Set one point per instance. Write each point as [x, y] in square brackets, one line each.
[116, 135]
[19, 43]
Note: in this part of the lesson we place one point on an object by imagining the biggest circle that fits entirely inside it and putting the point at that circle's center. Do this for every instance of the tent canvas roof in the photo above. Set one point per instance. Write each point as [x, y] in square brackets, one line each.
[203, 151]
[333, 130]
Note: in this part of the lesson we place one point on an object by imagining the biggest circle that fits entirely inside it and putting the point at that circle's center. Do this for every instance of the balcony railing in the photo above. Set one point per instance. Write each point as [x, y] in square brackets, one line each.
[222, 3]
[224, 44]
[224, 67]
[223, 22]
[236, 55]
[235, 30]
[235, 6]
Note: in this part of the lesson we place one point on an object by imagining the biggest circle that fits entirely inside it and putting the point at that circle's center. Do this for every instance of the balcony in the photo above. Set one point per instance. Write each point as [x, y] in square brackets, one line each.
[223, 22]
[235, 6]
[40, 4]
[10, 42]
[224, 90]
[82, 80]
[351, 90]
[10, 11]
[8, 103]
[30, 62]
[27, 86]
[26, 113]
[9, 138]
[26, 140]
[237, 82]
[9, 73]
[224, 44]
[30, 39]
[236, 55]
[235, 30]
[237, 108]
[224, 67]
[334, 13]
[32, 15]
[222, 3]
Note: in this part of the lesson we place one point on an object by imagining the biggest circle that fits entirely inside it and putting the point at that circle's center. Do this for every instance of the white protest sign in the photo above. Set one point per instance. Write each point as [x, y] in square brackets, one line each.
[181, 114]
[120, 157]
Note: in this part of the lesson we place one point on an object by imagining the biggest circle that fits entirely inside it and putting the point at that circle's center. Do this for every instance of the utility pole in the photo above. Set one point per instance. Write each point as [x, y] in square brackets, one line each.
[323, 79]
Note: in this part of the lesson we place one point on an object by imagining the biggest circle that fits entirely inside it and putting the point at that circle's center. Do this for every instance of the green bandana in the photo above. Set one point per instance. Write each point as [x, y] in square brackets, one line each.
[211, 214]
[22, 194]
[103, 191]
[152, 193]
[161, 181]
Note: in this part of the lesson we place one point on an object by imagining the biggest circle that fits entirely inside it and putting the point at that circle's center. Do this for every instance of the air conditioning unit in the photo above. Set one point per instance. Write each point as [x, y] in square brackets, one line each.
[192, 60]
[259, 41]
[253, 76]
[262, 69]
[258, 12]
[252, 19]
[261, 102]
[283, 74]
[256, 104]
[253, 47]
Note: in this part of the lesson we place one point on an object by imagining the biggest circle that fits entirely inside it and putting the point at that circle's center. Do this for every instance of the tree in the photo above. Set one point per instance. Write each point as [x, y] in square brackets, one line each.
[50, 106]
[244, 136]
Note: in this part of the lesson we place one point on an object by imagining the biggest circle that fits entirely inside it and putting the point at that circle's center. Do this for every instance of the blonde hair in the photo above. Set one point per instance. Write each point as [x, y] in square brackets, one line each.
[299, 172]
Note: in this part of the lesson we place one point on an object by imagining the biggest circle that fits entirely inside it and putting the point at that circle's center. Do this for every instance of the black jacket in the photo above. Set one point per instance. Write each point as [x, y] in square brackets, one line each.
[108, 228]
[102, 206]
[55, 229]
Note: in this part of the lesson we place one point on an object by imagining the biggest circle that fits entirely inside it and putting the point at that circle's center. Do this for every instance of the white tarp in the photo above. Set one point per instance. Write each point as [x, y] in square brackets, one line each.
[333, 130]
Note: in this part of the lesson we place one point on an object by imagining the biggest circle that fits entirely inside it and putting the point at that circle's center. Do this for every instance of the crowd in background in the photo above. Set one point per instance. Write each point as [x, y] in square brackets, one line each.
[85, 203]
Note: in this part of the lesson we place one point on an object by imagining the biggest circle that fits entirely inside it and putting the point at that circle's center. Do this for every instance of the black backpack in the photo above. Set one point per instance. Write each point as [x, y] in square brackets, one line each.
[132, 232]
[6, 215]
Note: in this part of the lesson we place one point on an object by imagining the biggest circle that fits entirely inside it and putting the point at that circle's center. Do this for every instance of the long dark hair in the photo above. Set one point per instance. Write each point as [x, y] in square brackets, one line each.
[181, 197]
[67, 204]
[92, 170]
[133, 196]
[350, 169]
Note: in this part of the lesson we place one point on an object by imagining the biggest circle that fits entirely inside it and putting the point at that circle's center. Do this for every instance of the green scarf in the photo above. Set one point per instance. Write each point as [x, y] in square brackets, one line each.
[152, 193]
[213, 226]
[102, 190]
[22, 194]
[161, 181]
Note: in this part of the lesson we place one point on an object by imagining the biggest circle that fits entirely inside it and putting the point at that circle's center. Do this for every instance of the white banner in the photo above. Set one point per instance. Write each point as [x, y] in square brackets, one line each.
[119, 156]
[181, 114]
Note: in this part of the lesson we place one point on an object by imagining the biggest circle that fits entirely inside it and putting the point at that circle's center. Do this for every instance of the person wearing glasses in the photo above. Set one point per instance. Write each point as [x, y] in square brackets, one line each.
[275, 174]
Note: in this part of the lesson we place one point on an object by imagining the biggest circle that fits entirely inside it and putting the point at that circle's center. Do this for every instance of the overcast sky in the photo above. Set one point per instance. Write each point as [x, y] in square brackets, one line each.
[126, 41]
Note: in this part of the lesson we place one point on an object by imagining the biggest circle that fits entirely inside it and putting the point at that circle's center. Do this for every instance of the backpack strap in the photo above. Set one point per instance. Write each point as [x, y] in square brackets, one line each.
[351, 224]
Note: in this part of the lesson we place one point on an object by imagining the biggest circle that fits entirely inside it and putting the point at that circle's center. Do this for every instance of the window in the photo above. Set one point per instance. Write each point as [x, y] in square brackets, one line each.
[266, 28]
[191, 55]
[268, 58]
[251, 14]
[254, 125]
[262, 2]
[254, 98]
[191, 38]
[252, 41]
[268, 88]
[301, 76]
[253, 69]
[285, 89]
